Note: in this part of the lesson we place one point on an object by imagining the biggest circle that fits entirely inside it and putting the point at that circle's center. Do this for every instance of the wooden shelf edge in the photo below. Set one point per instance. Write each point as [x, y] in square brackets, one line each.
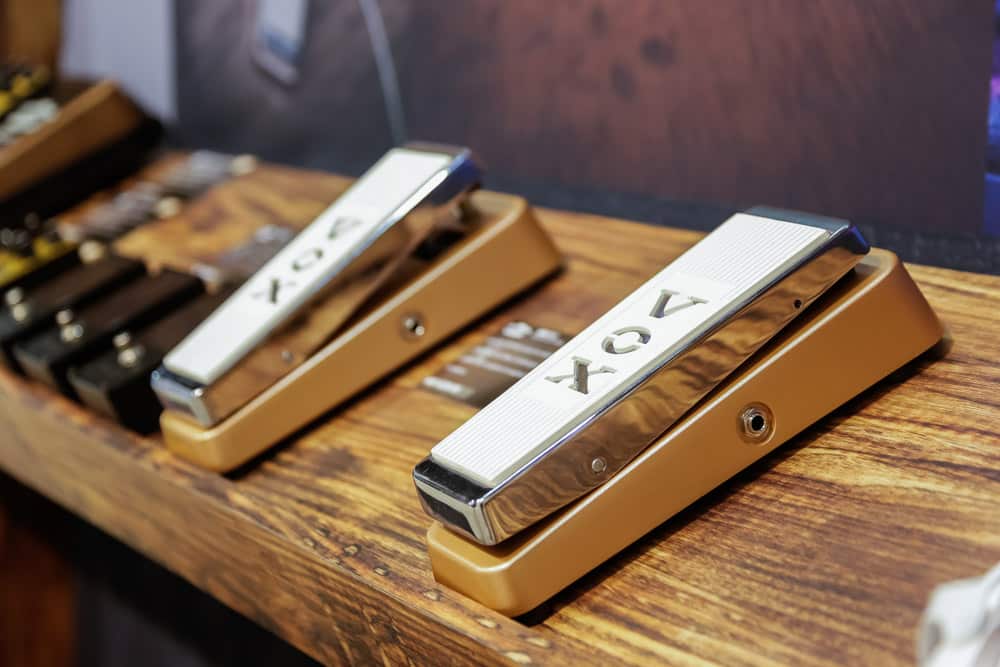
[90, 467]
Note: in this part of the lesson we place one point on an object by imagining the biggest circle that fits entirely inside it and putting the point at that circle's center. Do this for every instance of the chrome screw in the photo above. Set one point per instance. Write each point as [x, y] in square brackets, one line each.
[129, 354]
[20, 311]
[122, 340]
[64, 317]
[71, 333]
[70, 330]
[413, 326]
[14, 296]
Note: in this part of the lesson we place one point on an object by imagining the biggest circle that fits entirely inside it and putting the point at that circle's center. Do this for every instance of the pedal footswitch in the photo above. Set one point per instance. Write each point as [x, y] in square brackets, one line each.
[80, 334]
[29, 311]
[326, 317]
[116, 382]
[764, 326]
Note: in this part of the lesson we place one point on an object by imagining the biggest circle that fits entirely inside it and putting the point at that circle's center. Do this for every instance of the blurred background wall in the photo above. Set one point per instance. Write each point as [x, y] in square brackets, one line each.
[671, 112]
[132, 42]
[869, 109]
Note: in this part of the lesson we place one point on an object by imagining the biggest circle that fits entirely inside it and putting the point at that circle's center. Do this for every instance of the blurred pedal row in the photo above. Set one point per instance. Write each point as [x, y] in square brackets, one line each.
[75, 314]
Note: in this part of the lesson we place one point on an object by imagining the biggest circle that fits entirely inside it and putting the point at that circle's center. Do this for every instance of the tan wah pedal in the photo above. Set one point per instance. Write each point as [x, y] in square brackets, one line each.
[367, 287]
[860, 328]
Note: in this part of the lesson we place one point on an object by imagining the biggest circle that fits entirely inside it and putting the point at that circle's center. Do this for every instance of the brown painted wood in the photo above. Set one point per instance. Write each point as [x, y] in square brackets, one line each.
[872, 110]
[823, 106]
[94, 119]
[30, 30]
[37, 592]
[823, 554]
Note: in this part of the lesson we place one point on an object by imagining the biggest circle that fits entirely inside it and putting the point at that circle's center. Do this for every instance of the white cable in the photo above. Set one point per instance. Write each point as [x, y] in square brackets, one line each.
[386, 69]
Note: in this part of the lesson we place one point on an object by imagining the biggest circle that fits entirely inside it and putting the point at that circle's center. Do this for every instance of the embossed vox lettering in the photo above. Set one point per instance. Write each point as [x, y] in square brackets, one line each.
[307, 259]
[580, 375]
[662, 307]
[614, 343]
[343, 224]
[271, 293]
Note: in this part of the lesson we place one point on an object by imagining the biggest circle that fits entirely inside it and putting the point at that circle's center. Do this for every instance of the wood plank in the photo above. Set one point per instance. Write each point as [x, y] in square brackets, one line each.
[822, 554]
[37, 588]
[30, 31]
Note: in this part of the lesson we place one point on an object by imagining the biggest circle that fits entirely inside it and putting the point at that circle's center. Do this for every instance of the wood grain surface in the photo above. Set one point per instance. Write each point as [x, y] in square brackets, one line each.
[822, 554]
[226, 217]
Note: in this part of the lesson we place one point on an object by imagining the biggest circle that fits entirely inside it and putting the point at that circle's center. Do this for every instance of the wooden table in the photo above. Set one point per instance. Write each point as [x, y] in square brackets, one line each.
[824, 553]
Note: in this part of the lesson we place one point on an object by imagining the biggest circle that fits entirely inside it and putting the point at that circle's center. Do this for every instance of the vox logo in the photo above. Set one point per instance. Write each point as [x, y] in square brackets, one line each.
[305, 260]
[623, 341]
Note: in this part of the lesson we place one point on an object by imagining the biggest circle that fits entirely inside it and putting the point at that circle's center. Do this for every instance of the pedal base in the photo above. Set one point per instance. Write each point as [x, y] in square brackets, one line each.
[506, 253]
[869, 325]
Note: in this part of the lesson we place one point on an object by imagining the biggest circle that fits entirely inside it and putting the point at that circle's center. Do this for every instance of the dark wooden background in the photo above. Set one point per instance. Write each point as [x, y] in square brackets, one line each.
[868, 109]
